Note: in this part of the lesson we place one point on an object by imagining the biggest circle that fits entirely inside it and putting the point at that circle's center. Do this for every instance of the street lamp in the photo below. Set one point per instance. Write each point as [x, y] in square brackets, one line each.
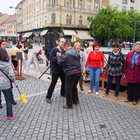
[11, 7]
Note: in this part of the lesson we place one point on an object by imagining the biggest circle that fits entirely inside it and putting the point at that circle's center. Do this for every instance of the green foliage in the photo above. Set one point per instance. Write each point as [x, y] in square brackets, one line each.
[109, 23]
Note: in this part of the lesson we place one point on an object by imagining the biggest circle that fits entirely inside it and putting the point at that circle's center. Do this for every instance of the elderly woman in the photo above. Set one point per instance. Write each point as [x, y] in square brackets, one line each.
[77, 46]
[115, 67]
[132, 71]
[95, 63]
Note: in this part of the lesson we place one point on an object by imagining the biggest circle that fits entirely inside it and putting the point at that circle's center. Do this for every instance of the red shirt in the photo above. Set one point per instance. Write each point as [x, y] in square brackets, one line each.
[95, 60]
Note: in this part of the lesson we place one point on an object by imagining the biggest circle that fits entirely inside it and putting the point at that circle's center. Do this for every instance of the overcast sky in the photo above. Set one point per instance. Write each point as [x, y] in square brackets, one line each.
[5, 6]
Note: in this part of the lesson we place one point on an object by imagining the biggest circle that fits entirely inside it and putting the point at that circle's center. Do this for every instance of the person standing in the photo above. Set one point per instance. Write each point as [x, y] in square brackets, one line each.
[6, 77]
[95, 63]
[77, 46]
[3, 45]
[56, 70]
[70, 61]
[132, 72]
[115, 68]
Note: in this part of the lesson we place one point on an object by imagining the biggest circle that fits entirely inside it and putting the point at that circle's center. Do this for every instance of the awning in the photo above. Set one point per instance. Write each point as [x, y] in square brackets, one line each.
[27, 34]
[69, 32]
[84, 36]
[43, 32]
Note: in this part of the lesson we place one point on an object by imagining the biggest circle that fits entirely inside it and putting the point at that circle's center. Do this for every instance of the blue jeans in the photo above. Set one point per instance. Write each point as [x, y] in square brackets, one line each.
[94, 78]
[117, 82]
[8, 98]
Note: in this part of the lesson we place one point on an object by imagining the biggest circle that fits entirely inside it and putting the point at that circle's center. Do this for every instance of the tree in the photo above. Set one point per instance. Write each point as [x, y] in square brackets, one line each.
[109, 23]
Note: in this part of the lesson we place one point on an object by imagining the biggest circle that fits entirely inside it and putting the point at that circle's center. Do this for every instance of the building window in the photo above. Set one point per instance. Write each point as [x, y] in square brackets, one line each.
[124, 1]
[132, 1]
[124, 8]
[69, 3]
[88, 6]
[80, 20]
[131, 8]
[53, 2]
[68, 19]
[53, 18]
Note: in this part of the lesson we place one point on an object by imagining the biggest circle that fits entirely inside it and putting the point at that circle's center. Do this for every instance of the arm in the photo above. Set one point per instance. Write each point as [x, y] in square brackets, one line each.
[61, 60]
[87, 61]
[102, 60]
[53, 57]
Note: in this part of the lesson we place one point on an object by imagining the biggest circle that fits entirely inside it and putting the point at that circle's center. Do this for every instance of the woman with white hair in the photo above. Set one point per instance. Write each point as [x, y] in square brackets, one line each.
[132, 71]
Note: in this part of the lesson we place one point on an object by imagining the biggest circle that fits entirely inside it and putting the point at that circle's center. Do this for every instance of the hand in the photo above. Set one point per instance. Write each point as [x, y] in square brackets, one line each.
[58, 54]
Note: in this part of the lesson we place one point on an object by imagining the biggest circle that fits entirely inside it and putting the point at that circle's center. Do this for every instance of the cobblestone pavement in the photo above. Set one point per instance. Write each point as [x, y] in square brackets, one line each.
[93, 119]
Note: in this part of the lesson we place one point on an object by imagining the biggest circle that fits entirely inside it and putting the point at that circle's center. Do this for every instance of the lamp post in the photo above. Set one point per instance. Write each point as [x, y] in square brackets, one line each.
[11, 7]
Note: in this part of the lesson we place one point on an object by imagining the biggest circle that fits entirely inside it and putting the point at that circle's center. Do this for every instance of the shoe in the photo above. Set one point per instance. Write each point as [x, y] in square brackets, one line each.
[67, 107]
[14, 102]
[76, 103]
[0, 105]
[127, 100]
[97, 93]
[115, 98]
[105, 95]
[134, 103]
[48, 100]
[10, 118]
[89, 92]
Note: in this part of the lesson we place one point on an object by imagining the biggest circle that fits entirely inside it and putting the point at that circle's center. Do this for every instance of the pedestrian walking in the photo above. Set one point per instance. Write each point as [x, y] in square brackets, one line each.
[56, 70]
[115, 66]
[95, 63]
[70, 61]
[6, 77]
[132, 71]
[77, 46]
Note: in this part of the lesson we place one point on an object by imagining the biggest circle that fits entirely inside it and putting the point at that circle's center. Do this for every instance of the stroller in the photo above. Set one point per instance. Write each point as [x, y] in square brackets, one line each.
[40, 60]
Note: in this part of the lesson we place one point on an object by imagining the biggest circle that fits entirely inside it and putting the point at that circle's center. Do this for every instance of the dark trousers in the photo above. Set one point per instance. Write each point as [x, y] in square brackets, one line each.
[133, 91]
[11, 95]
[117, 82]
[53, 83]
[8, 98]
[71, 82]
[81, 81]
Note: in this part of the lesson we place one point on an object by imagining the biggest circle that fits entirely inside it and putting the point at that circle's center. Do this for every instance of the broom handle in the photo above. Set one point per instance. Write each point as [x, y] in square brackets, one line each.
[18, 89]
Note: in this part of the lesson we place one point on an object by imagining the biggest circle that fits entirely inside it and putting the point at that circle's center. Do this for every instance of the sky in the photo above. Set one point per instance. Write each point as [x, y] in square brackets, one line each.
[5, 6]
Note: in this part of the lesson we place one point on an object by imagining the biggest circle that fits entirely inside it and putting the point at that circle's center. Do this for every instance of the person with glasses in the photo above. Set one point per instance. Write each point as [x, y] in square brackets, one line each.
[56, 70]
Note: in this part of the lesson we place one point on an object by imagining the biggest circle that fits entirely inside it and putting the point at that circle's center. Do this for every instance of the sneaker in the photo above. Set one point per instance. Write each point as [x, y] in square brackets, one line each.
[48, 100]
[89, 92]
[134, 103]
[14, 116]
[14, 102]
[115, 98]
[0, 105]
[105, 95]
[97, 93]
[9, 118]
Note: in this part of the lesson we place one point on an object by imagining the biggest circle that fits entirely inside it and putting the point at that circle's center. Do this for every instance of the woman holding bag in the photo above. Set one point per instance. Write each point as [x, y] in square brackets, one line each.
[6, 77]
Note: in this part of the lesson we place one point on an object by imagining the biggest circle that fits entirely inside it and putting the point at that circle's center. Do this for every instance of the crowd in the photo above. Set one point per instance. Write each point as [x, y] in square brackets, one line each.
[69, 63]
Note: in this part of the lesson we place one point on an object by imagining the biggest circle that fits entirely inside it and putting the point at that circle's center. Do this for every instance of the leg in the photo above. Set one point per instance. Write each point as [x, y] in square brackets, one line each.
[0, 100]
[68, 90]
[117, 88]
[92, 78]
[8, 98]
[76, 78]
[109, 82]
[81, 82]
[52, 86]
[130, 88]
[97, 78]
[136, 91]
[62, 78]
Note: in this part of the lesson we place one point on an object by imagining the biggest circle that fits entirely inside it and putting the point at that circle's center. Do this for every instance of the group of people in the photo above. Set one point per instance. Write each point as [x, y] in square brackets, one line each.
[69, 63]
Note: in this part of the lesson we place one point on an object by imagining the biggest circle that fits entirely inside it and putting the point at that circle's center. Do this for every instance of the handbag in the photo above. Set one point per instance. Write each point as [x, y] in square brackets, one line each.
[7, 77]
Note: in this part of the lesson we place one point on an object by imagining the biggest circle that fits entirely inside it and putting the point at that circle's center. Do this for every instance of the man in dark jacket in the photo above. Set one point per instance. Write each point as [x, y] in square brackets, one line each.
[70, 61]
[56, 70]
